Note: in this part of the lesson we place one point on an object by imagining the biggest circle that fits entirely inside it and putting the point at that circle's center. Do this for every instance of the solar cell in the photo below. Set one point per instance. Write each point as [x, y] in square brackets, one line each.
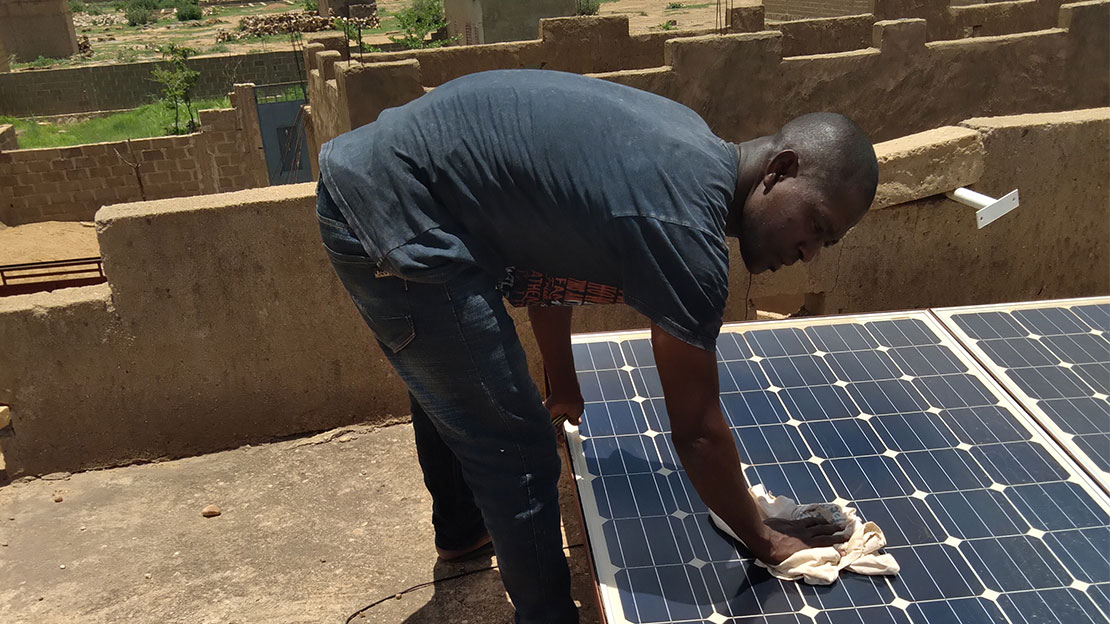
[1054, 357]
[989, 520]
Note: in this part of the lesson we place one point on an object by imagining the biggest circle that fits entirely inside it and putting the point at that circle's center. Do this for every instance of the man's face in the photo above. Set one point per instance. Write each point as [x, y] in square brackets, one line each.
[789, 222]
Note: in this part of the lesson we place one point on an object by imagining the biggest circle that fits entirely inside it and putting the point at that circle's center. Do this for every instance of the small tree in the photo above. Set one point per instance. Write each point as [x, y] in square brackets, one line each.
[418, 21]
[587, 7]
[177, 82]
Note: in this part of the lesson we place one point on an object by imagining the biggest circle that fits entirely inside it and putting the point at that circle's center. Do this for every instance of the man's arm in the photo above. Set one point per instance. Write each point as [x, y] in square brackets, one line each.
[551, 326]
[707, 449]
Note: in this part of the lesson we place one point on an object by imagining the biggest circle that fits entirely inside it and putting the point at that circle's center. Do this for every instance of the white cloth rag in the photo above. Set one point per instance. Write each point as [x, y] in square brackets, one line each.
[822, 565]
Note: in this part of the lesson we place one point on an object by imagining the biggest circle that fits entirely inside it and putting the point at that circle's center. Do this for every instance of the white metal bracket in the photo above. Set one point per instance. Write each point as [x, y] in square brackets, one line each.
[987, 209]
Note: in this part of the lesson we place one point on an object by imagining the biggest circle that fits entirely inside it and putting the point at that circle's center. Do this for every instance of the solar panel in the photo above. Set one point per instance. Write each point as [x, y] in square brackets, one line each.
[990, 521]
[1054, 357]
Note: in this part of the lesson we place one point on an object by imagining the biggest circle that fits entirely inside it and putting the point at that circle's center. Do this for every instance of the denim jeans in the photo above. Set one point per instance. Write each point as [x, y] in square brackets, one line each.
[477, 414]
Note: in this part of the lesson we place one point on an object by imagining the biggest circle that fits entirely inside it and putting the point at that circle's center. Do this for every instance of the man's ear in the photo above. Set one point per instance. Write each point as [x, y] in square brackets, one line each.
[784, 164]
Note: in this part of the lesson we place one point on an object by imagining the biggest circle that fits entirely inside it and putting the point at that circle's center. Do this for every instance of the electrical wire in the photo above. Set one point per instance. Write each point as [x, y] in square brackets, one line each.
[437, 581]
[747, 296]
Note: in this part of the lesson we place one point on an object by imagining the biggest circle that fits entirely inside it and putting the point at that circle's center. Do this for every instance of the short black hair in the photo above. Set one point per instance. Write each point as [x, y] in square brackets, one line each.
[835, 152]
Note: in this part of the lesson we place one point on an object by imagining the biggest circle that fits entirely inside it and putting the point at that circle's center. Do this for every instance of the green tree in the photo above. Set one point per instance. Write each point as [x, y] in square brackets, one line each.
[418, 21]
[177, 82]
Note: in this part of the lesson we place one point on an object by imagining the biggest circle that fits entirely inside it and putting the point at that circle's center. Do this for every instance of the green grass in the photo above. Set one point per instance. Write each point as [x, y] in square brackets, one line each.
[147, 121]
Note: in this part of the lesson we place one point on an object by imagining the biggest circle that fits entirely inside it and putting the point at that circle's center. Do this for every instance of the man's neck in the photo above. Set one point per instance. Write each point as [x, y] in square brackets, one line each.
[749, 171]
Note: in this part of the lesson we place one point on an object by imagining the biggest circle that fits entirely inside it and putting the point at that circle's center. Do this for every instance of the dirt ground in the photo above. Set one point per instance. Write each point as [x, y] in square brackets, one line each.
[113, 41]
[310, 531]
[51, 240]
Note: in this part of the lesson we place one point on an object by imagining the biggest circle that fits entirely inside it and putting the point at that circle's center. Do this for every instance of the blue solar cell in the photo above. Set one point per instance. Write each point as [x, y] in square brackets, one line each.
[985, 325]
[797, 370]
[841, 438]
[1096, 376]
[933, 572]
[1097, 448]
[943, 470]
[753, 408]
[862, 365]
[937, 455]
[861, 478]
[744, 375]
[847, 593]
[771, 444]
[905, 520]
[1016, 563]
[1078, 415]
[1018, 462]
[845, 337]
[1084, 552]
[801, 481]
[1018, 352]
[818, 402]
[983, 425]
[1050, 321]
[964, 611]
[1097, 316]
[732, 347]
[893, 396]
[779, 342]
[1048, 382]
[1078, 348]
[971, 514]
[926, 360]
[902, 333]
[1057, 506]
[915, 431]
[951, 391]
[867, 615]
[1052, 605]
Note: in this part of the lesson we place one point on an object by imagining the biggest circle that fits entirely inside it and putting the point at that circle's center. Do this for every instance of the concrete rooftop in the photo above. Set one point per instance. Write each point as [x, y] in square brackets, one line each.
[311, 530]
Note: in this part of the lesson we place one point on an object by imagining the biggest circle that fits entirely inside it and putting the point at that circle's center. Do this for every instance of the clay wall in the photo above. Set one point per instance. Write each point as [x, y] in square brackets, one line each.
[222, 323]
[113, 87]
[7, 137]
[800, 9]
[72, 183]
[33, 28]
[899, 85]
[492, 21]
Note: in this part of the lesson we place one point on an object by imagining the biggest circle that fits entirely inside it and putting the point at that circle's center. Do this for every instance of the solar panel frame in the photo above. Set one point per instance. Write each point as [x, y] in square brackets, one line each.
[612, 609]
[948, 318]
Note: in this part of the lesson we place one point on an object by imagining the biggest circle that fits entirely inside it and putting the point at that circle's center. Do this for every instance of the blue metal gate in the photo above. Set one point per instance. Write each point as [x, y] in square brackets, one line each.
[284, 141]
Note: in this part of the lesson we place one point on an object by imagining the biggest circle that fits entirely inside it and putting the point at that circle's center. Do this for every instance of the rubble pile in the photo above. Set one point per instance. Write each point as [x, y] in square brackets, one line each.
[290, 22]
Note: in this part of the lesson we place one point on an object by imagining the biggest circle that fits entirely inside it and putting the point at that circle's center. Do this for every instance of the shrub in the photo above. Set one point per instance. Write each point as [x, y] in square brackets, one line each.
[95, 10]
[587, 7]
[76, 6]
[186, 12]
[137, 15]
[418, 21]
[675, 5]
[312, 6]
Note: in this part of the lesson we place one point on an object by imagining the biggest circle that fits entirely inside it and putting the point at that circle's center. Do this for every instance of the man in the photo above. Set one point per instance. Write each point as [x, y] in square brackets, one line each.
[564, 176]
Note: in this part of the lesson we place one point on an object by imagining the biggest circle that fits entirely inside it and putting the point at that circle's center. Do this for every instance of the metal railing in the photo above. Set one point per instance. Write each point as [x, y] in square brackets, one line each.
[33, 276]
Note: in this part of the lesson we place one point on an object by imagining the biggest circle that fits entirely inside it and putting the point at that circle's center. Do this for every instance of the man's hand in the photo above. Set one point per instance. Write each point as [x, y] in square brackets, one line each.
[568, 405]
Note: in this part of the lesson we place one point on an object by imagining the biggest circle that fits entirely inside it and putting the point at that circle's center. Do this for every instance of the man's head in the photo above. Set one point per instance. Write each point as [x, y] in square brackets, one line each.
[805, 188]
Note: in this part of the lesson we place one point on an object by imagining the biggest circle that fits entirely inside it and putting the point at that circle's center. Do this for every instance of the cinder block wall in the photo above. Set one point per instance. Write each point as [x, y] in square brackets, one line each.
[113, 87]
[179, 355]
[33, 28]
[72, 183]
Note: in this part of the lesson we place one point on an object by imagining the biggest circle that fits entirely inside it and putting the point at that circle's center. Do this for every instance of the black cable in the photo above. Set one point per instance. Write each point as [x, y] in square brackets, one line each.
[429, 584]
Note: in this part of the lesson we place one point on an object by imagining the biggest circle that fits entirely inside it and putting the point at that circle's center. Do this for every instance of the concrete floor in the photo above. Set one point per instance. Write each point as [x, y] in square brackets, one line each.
[311, 530]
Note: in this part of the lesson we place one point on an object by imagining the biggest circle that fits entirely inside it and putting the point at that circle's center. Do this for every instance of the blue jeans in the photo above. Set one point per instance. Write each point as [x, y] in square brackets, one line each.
[476, 413]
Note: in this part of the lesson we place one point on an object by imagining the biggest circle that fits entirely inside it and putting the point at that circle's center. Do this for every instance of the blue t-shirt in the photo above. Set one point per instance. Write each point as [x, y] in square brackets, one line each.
[549, 172]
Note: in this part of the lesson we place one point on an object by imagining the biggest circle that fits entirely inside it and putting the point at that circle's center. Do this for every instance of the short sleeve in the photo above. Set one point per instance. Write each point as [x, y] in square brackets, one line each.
[675, 275]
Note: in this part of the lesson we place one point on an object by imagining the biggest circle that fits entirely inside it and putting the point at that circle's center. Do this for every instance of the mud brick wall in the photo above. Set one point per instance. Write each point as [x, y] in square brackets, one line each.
[113, 87]
[794, 9]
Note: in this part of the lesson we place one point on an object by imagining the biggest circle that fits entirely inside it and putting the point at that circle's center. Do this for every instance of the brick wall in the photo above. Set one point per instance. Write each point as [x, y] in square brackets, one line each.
[33, 28]
[795, 9]
[72, 183]
[112, 87]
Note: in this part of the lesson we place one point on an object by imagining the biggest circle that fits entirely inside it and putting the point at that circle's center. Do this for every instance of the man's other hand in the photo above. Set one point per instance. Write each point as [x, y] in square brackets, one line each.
[568, 404]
